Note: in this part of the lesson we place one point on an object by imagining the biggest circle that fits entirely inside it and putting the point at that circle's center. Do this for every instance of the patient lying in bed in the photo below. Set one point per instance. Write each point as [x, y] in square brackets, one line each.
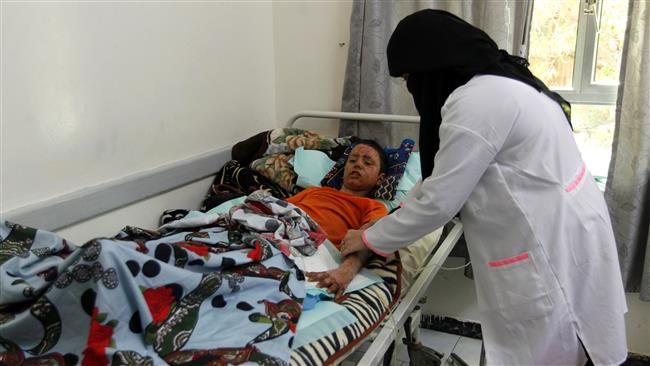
[336, 211]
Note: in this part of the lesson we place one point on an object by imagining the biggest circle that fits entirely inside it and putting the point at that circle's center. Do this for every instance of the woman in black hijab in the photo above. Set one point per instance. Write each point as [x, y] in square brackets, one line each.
[436, 52]
[496, 144]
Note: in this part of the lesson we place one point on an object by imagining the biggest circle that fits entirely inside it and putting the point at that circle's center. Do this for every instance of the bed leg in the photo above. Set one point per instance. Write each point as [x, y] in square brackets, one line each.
[389, 356]
[414, 321]
[419, 355]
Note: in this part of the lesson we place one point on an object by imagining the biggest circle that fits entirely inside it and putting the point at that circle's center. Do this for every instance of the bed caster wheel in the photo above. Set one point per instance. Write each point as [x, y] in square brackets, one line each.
[455, 360]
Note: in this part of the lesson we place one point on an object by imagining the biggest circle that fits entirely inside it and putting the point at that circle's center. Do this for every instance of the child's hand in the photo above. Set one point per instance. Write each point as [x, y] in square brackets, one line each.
[334, 281]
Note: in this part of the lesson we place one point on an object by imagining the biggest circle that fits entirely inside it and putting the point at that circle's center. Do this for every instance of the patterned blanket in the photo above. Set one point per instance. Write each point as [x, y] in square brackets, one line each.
[217, 293]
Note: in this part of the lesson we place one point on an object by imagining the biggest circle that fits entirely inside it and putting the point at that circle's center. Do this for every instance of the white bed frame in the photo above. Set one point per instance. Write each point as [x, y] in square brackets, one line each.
[75, 207]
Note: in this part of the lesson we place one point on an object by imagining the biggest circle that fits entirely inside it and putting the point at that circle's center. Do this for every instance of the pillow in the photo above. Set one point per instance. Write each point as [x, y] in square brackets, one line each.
[412, 174]
[276, 167]
[287, 140]
[310, 166]
[397, 160]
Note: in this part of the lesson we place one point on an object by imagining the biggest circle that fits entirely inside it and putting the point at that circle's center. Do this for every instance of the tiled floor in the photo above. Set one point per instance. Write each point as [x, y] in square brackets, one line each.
[468, 349]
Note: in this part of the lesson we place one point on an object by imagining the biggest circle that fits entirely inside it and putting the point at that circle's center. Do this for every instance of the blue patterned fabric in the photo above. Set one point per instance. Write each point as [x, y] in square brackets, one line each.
[397, 160]
[218, 293]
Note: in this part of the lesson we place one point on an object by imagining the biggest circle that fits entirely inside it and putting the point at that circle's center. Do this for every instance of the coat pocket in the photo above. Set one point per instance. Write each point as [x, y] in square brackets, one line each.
[518, 287]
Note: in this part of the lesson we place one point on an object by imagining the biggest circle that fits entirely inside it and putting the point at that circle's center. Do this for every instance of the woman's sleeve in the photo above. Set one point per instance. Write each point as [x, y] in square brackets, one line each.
[463, 157]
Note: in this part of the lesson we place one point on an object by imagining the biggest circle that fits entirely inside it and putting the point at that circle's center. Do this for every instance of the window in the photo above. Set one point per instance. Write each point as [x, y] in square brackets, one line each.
[575, 48]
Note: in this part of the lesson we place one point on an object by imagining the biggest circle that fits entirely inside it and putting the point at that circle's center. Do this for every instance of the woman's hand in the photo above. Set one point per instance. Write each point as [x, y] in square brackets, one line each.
[352, 242]
[334, 281]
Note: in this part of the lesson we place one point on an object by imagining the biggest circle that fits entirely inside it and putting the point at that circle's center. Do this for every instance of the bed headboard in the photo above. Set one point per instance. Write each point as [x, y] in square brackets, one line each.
[354, 116]
[70, 208]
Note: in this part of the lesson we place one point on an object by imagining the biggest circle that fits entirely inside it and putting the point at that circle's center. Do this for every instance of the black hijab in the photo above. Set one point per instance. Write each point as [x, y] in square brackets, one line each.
[441, 52]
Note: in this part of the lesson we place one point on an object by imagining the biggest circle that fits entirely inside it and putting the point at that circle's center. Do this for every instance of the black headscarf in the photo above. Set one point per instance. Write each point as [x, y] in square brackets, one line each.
[441, 52]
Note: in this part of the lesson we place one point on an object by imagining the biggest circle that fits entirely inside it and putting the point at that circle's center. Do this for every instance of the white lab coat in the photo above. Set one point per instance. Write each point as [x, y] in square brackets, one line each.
[536, 225]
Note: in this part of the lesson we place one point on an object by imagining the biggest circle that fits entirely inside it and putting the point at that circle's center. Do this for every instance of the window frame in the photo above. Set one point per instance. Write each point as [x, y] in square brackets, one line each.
[584, 89]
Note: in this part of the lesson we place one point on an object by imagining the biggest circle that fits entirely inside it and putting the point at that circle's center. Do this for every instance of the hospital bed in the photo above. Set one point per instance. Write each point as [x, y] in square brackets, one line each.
[81, 205]
[391, 329]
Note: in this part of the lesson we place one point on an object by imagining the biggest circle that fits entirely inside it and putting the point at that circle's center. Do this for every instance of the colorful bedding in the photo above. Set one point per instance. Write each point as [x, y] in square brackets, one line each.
[213, 290]
[216, 294]
[369, 305]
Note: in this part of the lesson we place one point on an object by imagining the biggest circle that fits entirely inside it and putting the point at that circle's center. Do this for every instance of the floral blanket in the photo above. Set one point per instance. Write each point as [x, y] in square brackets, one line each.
[211, 293]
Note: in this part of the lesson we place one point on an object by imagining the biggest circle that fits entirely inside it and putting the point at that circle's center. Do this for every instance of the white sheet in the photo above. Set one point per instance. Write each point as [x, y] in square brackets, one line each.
[327, 257]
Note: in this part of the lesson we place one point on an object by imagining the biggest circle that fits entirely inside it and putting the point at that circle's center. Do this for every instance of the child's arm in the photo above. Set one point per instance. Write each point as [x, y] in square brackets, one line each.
[337, 280]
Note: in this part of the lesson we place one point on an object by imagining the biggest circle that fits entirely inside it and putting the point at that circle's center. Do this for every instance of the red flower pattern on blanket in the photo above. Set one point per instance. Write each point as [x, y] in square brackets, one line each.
[99, 337]
[256, 254]
[159, 300]
[200, 250]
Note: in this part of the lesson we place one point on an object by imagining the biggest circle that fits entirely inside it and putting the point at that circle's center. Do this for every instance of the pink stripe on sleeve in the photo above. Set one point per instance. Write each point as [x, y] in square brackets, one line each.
[578, 179]
[365, 241]
[503, 262]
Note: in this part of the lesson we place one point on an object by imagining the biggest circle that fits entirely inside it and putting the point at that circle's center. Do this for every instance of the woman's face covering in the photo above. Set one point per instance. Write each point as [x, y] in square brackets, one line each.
[430, 47]
[414, 87]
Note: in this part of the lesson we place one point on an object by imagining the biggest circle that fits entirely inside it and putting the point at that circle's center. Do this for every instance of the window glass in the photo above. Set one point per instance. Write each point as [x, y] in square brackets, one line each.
[593, 127]
[553, 33]
[610, 41]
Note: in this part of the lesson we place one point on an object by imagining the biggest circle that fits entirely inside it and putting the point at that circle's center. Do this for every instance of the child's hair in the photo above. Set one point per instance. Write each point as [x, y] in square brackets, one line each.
[383, 160]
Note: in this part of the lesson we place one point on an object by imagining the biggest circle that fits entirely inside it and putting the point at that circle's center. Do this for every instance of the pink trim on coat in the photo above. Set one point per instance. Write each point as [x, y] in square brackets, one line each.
[579, 178]
[365, 241]
[503, 262]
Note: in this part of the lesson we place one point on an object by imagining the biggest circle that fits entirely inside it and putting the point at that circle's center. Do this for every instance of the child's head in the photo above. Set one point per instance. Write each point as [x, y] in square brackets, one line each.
[365, 167]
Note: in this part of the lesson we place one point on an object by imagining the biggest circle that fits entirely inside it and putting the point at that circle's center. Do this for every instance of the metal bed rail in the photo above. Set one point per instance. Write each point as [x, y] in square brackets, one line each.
[395, 320]
[354, 116]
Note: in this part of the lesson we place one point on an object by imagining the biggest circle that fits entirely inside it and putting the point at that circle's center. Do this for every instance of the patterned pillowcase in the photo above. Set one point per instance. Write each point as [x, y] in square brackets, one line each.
[276, 167]
[287, 140]
[397, 159]
[274, 164]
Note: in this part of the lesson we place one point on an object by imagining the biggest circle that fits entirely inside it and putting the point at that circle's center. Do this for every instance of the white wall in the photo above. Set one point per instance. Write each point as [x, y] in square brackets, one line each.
[452, 294]
[143, 214]
[310, 60]
[96, 91]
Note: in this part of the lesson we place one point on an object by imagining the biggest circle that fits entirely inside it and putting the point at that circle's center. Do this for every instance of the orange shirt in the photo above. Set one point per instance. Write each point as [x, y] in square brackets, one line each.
[337, 212]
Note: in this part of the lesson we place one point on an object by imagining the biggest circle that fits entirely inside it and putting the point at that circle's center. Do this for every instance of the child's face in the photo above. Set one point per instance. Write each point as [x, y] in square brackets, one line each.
[362, 169]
